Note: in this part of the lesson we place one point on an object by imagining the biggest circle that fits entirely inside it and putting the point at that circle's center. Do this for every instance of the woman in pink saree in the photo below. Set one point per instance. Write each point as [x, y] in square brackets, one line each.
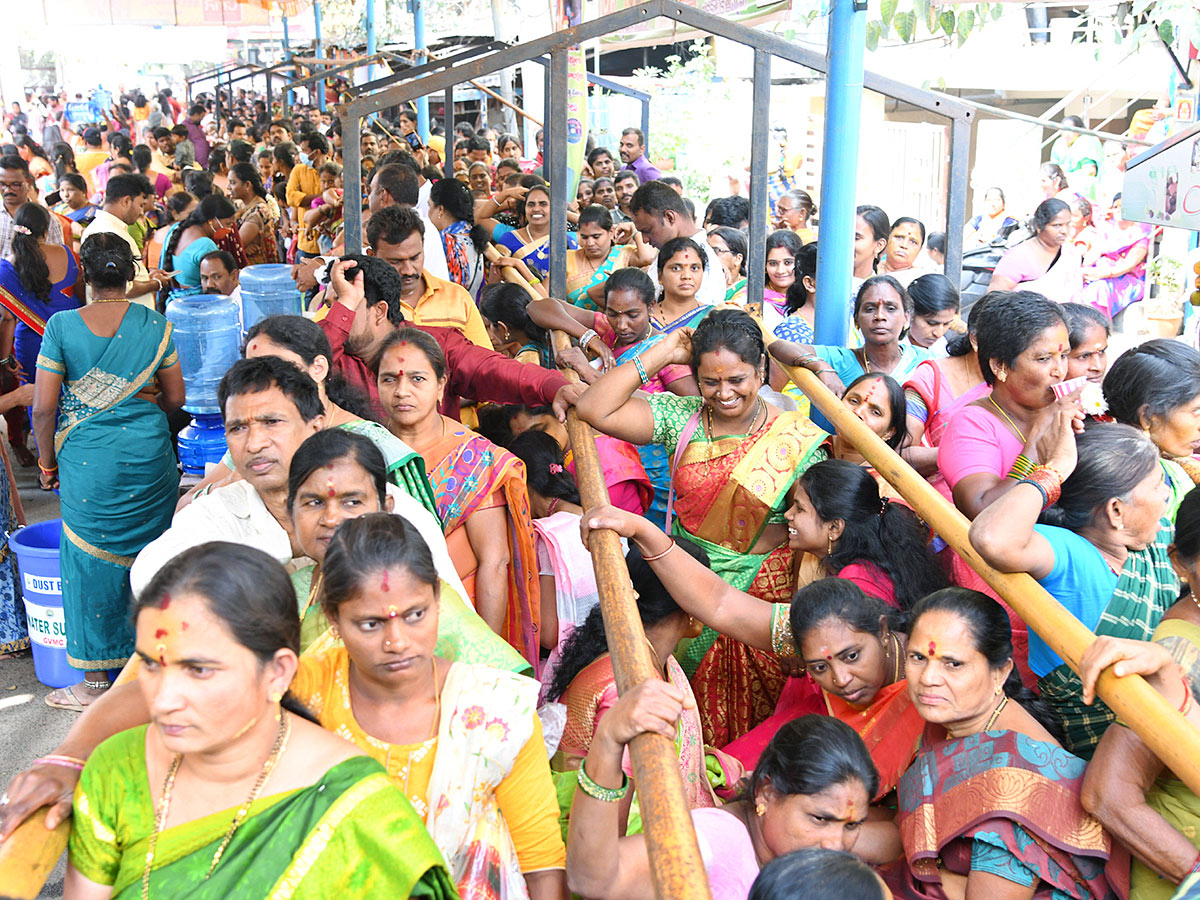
[1117, 277]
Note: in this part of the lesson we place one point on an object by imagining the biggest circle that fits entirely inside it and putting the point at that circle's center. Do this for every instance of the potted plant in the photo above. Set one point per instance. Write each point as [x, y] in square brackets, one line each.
[1164, 312]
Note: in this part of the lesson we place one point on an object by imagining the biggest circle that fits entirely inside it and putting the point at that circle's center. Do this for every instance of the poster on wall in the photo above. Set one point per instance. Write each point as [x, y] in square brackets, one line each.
[1162, 185]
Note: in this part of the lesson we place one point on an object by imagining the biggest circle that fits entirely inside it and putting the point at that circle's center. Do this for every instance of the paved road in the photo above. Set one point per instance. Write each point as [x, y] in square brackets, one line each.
[29, 728]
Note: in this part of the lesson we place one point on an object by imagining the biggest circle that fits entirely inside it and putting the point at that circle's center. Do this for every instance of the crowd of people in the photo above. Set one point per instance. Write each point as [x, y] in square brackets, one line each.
[365, 653]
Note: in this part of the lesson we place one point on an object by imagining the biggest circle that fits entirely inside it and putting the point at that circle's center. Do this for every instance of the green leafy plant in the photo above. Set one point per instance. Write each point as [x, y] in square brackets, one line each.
[1175, 21]
[686, 93]
[1168, 273]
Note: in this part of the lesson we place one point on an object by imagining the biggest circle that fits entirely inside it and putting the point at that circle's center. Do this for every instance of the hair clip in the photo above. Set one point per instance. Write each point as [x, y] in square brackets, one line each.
[555, 469]
[110, 265]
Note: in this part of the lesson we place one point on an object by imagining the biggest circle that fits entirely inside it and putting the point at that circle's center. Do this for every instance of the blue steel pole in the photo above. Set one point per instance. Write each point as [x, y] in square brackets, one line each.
[318, 52]
[418, 8]
[839, 169]
[288, 99]
[371, 38]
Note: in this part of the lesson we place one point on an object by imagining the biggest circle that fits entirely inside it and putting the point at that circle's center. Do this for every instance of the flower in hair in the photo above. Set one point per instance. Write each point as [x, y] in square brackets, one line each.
[21, 229]
[555, 469]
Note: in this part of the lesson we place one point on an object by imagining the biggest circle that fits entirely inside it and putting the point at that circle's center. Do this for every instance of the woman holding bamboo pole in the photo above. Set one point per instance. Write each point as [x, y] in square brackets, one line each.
[811, 789]
[846, 638]
[736, 458]
[1023, 345]
[622, 331]
[1127, 787]
[1105, 560]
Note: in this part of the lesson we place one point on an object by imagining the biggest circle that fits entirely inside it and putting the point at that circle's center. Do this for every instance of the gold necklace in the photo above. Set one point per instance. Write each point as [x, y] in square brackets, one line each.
[1005, 416]
[109, 300]
[760, 407]
[996, 713]
[164, 805]
[315, 590]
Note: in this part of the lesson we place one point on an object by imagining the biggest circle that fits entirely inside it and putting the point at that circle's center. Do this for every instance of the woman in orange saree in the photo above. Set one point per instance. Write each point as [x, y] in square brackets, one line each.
[734, 460]
[479, 489]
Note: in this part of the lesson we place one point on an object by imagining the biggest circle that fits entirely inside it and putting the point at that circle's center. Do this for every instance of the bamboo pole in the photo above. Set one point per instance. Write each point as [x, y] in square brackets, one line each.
[30, 854]
[675, 864]
[1173, 739]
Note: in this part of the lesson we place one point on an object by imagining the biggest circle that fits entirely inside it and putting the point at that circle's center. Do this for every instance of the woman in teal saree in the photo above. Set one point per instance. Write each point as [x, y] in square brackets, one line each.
[319, 819]
[103, 440]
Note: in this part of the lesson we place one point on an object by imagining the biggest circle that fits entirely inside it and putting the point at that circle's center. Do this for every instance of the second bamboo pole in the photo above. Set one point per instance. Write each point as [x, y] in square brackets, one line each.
[675, 862]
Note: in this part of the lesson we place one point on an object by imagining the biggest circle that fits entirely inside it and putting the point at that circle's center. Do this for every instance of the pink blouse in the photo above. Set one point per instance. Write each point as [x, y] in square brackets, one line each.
[976, 441]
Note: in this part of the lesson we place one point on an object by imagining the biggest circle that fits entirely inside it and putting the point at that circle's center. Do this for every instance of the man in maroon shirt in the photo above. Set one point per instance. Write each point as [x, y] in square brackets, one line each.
[367, 310]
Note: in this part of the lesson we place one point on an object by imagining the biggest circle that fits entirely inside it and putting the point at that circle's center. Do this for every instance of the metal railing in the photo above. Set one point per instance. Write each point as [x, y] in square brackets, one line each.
[411, 84]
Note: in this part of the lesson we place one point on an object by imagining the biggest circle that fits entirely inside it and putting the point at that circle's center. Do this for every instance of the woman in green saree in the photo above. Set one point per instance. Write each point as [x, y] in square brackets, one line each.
[96, 391]
[303, 343]
[734, 461]
[231, 791]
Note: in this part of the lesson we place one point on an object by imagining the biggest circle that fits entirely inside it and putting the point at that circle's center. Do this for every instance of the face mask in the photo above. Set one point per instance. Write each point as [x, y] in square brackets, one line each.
[304, 158]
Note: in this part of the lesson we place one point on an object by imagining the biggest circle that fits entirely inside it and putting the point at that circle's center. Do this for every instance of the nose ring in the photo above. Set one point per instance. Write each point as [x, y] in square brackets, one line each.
[387, 643]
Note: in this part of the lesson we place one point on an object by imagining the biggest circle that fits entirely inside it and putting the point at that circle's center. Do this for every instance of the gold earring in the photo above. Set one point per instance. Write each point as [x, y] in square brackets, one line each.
[829, 552]
[760, 809]
[275, 698]
[1002, 375]
[999, 689]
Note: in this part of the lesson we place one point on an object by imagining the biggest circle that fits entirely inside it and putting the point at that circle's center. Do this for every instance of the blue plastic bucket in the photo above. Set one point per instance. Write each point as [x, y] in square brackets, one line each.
[36, 549]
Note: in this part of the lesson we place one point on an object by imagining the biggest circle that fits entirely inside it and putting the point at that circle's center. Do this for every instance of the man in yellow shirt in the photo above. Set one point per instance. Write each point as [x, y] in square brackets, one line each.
[304, 186]
[92, 156]
[396, 235]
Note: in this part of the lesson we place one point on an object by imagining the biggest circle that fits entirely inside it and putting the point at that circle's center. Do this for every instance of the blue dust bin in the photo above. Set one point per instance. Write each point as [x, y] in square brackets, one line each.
[36, 549]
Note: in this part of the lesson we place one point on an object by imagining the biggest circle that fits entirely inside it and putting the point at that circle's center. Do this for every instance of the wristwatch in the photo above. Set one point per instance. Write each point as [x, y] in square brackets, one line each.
[8, 360]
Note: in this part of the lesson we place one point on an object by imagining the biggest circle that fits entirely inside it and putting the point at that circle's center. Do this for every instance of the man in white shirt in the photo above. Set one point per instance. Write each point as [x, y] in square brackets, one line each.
[122, 207]
[16, 188]
[660, 214]
[219, 275]
[271, 407]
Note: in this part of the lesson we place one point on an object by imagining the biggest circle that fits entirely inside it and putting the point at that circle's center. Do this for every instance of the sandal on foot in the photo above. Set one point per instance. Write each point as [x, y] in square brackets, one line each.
[67, 698]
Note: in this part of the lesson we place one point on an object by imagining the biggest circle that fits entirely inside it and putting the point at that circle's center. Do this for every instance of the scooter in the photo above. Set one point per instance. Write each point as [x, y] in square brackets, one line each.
[979, 263]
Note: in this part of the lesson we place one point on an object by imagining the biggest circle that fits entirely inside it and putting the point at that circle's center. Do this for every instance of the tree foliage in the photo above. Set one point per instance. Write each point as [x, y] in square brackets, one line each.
[1176, 21]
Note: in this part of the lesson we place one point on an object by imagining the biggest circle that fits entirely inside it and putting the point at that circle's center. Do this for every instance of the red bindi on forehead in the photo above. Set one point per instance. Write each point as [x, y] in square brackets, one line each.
[932, 648]
[877, 392]
[383, 584]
